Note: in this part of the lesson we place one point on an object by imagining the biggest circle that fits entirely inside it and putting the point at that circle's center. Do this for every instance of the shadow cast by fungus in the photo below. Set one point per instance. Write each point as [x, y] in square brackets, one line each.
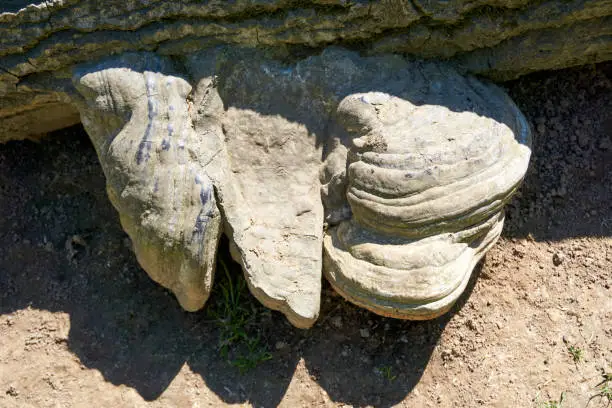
[62, 249]
[134, 332]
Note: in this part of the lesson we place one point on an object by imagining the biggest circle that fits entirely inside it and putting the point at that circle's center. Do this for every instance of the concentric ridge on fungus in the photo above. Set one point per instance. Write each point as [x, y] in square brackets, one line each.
[426, 187]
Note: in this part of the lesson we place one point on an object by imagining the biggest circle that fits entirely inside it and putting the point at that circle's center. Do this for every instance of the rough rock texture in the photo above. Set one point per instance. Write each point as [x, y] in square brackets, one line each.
[41, 41]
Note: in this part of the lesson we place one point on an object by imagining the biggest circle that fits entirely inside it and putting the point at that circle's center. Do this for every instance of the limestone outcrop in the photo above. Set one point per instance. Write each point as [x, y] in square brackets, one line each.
[42, 41]
[386, 173]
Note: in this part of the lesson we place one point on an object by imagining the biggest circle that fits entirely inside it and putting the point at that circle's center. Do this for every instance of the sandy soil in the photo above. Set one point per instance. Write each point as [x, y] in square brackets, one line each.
[82, 325]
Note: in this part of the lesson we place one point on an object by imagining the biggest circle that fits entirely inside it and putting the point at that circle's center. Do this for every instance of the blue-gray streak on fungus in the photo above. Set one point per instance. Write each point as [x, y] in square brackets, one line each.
[144, 149]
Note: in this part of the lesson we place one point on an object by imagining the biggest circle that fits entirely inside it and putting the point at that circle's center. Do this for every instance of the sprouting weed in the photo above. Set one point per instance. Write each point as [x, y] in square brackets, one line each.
[231, 311]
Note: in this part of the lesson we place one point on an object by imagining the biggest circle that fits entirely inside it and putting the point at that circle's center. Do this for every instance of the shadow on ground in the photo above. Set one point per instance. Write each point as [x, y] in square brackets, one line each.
[62, 249]
[568, 188]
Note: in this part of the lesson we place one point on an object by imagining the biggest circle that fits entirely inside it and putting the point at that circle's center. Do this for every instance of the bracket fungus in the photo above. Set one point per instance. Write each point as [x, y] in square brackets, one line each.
[407, 163]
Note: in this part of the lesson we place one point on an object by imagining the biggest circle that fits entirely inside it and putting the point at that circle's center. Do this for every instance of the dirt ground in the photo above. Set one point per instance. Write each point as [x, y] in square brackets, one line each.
[82, 325]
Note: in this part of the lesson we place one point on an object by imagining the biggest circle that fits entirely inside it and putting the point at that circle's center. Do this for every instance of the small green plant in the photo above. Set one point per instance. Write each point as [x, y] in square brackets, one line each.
[576, 353]
[386, 372]
[552, 403]
[255, 355]
[237, 343]
[604, 389]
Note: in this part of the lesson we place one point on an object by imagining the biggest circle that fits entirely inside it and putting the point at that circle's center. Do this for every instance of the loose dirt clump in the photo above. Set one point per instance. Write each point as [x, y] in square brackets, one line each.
[82, 324]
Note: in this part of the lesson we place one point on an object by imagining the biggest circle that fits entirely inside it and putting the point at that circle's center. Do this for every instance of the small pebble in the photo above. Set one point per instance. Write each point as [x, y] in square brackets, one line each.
[128, 244]
[541, 128]
[336, 321]
[12, 391]
[558, 258]
[365, 333]
[584, 140]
